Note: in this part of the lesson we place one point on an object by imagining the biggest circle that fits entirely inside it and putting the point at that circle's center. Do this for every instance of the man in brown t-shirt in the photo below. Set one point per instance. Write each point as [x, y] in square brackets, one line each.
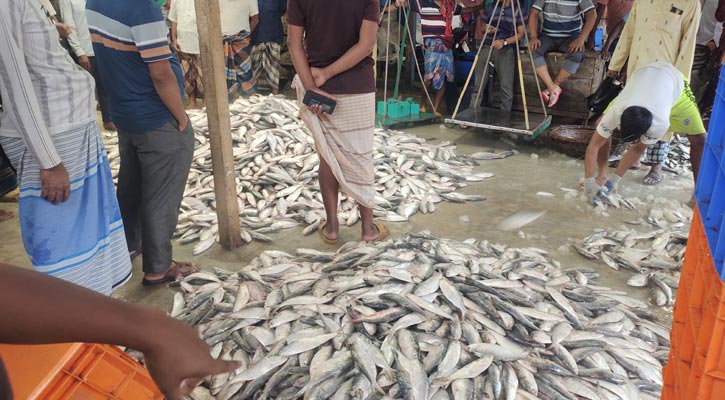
[331, 45]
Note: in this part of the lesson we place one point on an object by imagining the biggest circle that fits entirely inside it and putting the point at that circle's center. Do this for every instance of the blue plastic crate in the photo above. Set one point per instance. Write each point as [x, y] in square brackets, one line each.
[710, 190]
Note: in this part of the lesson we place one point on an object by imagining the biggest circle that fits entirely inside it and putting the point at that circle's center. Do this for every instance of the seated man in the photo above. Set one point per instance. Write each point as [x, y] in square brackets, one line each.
[562, 30]
[657, 98]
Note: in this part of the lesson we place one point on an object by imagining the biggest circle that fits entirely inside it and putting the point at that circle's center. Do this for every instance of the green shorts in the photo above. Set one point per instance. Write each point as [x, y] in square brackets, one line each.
[685, 116]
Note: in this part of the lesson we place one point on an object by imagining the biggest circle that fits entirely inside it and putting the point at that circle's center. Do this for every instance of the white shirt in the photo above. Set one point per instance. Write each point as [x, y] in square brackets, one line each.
[708, 29]
[657, 87]
[74, 14]
[44, 92]
[183, 12]
[235, 15]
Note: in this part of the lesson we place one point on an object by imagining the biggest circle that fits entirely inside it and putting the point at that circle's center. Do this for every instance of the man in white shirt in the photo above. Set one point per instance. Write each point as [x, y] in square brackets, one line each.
[69, 216]
[79, 39]
[656, 99]
[239, 19]
[185, 39]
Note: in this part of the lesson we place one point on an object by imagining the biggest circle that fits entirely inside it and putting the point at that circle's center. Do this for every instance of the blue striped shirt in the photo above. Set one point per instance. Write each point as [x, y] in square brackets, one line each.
[127, 35]
[563, 18]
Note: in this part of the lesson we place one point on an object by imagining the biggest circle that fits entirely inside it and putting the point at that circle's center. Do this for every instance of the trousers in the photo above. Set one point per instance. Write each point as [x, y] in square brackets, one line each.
[504, 61]
[151, 181]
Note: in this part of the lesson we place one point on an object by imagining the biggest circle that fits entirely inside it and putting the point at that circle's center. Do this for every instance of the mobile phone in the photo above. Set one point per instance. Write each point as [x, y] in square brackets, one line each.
[313, 98]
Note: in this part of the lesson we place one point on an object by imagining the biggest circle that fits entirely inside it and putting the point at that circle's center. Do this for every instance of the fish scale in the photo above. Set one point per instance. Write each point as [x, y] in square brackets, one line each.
[319, 323]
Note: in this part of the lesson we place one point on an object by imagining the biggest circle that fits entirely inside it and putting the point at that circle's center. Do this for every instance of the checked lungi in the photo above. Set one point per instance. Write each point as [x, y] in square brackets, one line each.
[82, 240]
[191, 67]
[238, 66]
[266, 61]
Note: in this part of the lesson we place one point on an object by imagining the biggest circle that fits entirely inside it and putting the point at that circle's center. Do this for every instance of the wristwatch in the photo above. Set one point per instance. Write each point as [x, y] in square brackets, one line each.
[505, 43]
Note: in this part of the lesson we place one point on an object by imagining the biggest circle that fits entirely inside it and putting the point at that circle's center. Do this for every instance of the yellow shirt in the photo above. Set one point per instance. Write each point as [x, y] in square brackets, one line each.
[658, 30]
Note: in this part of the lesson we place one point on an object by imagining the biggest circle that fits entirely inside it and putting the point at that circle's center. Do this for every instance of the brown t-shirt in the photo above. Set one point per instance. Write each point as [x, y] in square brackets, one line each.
[331, 29]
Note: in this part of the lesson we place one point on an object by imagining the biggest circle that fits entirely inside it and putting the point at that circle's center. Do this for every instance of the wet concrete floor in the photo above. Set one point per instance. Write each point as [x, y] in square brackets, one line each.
[518, 179]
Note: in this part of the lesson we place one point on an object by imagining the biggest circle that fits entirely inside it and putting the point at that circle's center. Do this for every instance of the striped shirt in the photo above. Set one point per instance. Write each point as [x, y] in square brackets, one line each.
[563, 18]
[432, 21]
[127, 35]
[44, 92]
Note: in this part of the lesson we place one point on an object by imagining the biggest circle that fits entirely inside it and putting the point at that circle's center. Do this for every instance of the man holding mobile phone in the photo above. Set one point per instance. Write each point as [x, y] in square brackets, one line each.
[339, 67]
[155, 138]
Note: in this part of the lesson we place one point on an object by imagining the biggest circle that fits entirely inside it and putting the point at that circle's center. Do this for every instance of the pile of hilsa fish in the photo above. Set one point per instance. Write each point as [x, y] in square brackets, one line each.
[655, 256]
[422, 318]
[276, 170]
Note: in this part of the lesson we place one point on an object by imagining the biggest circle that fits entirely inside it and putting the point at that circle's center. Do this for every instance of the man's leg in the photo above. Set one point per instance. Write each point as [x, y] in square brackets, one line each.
[480, 69]
[165, 156]
[603, 162]
[440, 95]
[505, 62]
[102, 96]
[656, 155]
[542, 70]
[128, 191]
[697, 145]
[571, 63]
[329, 187]
[629, 158]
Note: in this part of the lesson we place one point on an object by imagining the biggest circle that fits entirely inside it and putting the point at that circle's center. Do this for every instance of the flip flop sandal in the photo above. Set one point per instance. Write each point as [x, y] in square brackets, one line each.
[176, 270]
[321, 231]
[545, 95]
[554, 97]
[382, 233]
[652, 179]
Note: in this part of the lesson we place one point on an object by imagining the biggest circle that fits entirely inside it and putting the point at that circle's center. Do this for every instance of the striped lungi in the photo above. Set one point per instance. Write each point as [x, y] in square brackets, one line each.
[265, 61]
[82, 240]
[345, 141]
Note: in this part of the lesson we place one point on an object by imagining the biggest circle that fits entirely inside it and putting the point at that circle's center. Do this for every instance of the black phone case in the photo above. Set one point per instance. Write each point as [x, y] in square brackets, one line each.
[314, 98]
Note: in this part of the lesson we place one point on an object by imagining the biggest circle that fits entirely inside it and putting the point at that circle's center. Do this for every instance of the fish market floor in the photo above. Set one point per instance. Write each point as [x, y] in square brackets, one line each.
[517, 181]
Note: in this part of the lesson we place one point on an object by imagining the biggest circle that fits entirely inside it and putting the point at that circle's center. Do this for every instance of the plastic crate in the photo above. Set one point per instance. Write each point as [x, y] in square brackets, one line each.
[710, 190]
[696, 367]
[76, 371]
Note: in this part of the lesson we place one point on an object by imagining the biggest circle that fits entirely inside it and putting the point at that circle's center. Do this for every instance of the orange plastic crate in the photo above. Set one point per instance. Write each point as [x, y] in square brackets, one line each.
[696, 367]
[76, 371]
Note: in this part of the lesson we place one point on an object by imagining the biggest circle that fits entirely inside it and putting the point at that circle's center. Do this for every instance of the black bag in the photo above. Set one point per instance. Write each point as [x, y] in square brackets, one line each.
[607, 91]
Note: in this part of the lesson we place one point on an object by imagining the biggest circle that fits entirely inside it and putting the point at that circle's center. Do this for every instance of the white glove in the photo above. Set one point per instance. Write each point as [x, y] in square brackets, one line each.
[591, 187]
[613, 183]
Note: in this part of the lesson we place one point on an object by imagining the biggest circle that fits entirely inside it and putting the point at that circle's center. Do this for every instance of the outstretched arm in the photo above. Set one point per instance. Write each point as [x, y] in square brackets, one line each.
[39, 309]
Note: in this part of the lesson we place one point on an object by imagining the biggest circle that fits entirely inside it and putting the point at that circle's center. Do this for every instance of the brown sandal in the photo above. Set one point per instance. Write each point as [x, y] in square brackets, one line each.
[176, 270]
[382, 233]
[321, 231]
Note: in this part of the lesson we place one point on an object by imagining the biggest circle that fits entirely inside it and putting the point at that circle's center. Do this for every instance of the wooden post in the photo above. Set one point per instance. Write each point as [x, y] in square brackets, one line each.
[208, 22]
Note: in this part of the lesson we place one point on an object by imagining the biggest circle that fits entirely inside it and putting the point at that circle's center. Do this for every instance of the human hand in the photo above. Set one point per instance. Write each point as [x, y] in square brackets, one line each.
[401, 3]
[591, 187]
[175, 43]
[178, 360]
[317, 109]
[55, 184]
[497, 44]
[612, 73]
[64, 30]
[712, 46]
[85, 63]
[534, 43]
[320, 75]
[606, 55]
[183, 123]
[577, 45]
